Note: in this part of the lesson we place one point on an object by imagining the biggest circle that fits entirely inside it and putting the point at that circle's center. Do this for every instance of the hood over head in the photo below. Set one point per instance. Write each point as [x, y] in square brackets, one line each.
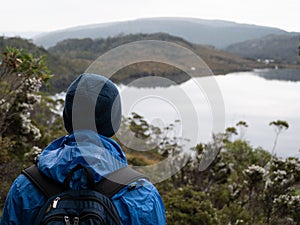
[100, 154]
[92, 103]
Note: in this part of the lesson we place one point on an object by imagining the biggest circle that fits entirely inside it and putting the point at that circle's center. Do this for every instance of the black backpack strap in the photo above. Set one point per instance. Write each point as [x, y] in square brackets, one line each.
[48, 186]
[109, 185]
[115, 181]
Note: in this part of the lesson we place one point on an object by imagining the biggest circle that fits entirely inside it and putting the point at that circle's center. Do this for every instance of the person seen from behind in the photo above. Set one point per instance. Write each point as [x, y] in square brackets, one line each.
[92, 115]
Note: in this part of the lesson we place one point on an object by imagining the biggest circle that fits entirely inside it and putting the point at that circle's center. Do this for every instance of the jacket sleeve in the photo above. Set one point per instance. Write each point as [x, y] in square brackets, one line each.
[22, 203]
[11, 213]
[141, 205]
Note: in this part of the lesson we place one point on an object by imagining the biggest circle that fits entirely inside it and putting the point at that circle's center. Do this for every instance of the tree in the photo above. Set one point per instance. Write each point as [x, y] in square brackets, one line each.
[279, 125]
[229, 132]
[187, 206]
[21, 76]
[242, 125]
[280, 180]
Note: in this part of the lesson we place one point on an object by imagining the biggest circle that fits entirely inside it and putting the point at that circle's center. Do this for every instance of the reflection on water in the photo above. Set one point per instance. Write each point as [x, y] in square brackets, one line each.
[257, 97]
[258, 101]
[282, 74]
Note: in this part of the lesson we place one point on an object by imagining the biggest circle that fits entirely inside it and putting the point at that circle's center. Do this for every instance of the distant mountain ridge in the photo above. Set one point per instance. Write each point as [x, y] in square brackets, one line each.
[216, 33]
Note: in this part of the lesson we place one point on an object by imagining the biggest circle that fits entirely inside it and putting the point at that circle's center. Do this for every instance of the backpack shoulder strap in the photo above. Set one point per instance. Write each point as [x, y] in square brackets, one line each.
[109, 185]
[48, 186]
[115, 181]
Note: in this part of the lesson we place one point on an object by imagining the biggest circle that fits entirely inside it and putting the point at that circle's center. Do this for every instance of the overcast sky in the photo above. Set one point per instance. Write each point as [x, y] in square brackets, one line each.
[49, 15]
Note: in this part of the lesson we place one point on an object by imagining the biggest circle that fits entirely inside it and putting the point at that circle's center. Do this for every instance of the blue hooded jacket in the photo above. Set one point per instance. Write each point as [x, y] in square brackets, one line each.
[99, 153]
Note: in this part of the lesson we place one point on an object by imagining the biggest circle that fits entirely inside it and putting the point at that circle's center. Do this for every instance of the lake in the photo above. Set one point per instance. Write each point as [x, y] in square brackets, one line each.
[257, 97]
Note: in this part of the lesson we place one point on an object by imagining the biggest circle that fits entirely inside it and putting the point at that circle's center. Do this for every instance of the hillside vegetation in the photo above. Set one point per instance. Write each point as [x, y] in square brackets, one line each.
[60, 67]
[87, 49]
[281, 48]
[72, 57]
[82, 52]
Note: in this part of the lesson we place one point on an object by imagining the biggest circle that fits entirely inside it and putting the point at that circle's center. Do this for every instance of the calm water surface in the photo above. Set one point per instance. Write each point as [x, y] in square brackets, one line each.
[257, 97]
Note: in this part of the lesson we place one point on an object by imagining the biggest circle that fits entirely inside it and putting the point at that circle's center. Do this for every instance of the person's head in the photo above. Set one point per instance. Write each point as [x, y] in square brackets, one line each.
[92, 102]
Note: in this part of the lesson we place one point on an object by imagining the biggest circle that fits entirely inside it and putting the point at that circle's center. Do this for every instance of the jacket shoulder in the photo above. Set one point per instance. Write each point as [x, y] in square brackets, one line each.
[140, 203]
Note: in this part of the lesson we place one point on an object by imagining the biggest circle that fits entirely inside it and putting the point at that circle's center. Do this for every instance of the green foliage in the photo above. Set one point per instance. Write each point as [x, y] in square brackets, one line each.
[62, 68]
[186, 206]
[21, 76]
[234, 213]
[242, 123]
[242, 186]
[286, 208]
[279, 125]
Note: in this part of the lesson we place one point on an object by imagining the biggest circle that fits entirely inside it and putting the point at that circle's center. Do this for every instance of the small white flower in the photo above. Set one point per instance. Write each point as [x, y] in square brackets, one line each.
[36, 132]
[254, 169]
[33, 98]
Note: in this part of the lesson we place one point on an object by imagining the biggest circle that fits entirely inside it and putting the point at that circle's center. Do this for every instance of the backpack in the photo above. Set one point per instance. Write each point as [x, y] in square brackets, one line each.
[80, 207]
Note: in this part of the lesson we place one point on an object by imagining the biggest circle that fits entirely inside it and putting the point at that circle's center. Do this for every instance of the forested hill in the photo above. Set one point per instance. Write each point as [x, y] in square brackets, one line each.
[82, 52]
[71, 57]
[281, 48]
